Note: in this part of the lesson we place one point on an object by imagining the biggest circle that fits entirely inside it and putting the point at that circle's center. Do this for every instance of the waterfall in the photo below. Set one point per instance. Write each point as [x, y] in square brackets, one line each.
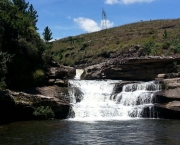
[136, 97]
[78, 74]
[96, 100]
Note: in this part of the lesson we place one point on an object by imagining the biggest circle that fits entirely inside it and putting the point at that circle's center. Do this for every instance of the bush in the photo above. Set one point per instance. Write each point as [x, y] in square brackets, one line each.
[43, 112]
[165, 45]
[38, 77]
[176, 47]
[148, 47]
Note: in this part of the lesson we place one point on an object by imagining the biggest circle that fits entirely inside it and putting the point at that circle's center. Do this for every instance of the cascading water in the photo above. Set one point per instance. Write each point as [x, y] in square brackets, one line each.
[94, 100]
[134, 98]
[78, 74]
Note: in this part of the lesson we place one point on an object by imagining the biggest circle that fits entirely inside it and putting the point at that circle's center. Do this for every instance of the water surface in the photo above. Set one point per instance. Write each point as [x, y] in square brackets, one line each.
[117, 132]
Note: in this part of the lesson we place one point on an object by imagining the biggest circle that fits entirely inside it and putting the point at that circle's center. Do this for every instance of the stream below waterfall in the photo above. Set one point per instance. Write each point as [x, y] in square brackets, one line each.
[67, 132]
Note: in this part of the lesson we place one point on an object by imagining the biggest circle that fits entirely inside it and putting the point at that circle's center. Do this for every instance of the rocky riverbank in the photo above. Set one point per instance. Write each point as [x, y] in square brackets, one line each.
[20, 105]
[169, 97]
[15, 106]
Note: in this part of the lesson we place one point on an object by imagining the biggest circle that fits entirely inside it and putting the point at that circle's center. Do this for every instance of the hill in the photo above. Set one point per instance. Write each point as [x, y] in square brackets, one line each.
[154, 38]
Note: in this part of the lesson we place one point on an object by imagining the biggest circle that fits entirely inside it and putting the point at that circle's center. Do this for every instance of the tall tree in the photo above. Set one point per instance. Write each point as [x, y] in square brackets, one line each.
[47, 35]
[21, 4]
[18, 39]
[32, 13]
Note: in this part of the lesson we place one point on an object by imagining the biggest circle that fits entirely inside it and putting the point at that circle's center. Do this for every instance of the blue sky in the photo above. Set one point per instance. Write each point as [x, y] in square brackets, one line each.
[73, 17]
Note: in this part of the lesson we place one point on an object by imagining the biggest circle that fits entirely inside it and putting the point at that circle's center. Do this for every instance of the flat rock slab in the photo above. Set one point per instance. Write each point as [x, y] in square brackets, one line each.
[174, 105]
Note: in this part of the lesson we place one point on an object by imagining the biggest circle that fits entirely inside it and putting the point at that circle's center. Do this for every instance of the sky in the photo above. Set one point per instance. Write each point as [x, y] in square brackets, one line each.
[74, 17]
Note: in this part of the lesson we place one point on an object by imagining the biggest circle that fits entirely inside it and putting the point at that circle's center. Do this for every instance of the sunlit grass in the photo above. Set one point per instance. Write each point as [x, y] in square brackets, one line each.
[98, 46]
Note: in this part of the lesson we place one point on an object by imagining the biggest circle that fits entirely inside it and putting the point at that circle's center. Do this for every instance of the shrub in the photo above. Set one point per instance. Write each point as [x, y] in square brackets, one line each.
[43, 112]
[38, 77]
[165, 34]
[176, 47]
[148, 47]
[165, 45]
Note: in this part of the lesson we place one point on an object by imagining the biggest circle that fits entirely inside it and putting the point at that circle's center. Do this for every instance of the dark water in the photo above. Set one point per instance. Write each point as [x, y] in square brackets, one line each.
[56, 132]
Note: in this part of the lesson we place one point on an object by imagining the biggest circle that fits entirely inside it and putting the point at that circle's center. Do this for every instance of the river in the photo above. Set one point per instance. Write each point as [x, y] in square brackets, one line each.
[109, 132]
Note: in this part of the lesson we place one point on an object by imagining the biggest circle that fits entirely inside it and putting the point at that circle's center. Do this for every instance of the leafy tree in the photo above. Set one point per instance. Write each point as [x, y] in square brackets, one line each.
[18, 38]
[47, 35]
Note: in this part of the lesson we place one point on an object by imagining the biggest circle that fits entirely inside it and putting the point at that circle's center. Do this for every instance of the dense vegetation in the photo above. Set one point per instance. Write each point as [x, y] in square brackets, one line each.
[22, 57]
[158, 37]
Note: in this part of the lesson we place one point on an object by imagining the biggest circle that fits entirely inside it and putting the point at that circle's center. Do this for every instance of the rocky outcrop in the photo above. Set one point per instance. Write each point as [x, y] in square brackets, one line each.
[16, 106]
[136, 68]
[168, 100]
[171, 88]
[170, 110]
[58, 74]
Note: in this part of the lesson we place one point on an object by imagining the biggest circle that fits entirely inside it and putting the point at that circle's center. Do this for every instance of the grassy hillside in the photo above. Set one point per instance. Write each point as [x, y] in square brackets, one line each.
[158, 37]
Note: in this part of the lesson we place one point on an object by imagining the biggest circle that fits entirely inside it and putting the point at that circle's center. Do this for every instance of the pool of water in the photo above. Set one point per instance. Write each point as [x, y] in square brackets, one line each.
[68, 132]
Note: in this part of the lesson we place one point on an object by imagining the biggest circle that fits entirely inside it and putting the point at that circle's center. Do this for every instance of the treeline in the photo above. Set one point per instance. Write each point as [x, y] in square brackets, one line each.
[23, 55]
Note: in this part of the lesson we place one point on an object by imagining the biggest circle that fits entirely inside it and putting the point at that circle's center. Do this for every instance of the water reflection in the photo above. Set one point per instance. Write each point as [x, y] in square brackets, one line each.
[55, 132]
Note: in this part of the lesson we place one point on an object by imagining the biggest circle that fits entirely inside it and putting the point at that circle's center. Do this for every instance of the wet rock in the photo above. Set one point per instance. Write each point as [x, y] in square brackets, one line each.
[166, 76]
[61, 83]
[170, 110]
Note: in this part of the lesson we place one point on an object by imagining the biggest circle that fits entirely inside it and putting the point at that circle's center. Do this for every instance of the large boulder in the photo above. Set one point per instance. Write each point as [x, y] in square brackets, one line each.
[61, 72]
[58, 74]
[170, 86]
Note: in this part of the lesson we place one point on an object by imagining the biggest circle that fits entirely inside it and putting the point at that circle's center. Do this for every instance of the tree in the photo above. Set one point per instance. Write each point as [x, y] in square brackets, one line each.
[47, 35]
[5, 58]
[21, 4]
[19, 39]
[32, 15]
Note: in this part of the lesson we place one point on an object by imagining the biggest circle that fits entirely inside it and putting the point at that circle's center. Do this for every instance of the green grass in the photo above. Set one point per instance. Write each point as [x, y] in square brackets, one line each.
[98, 46]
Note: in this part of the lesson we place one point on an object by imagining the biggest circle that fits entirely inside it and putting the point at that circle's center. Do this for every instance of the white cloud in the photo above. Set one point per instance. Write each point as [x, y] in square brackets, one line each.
[106, 23]
[90, 25]
[111, 2]
[87, 24]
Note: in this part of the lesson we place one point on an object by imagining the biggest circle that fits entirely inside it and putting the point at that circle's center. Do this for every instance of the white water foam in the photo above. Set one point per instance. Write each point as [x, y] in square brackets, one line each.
[78, 74]
[96, 102]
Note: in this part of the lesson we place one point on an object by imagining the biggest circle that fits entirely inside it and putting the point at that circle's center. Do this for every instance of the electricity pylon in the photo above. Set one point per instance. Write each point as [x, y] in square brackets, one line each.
[104, 19]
